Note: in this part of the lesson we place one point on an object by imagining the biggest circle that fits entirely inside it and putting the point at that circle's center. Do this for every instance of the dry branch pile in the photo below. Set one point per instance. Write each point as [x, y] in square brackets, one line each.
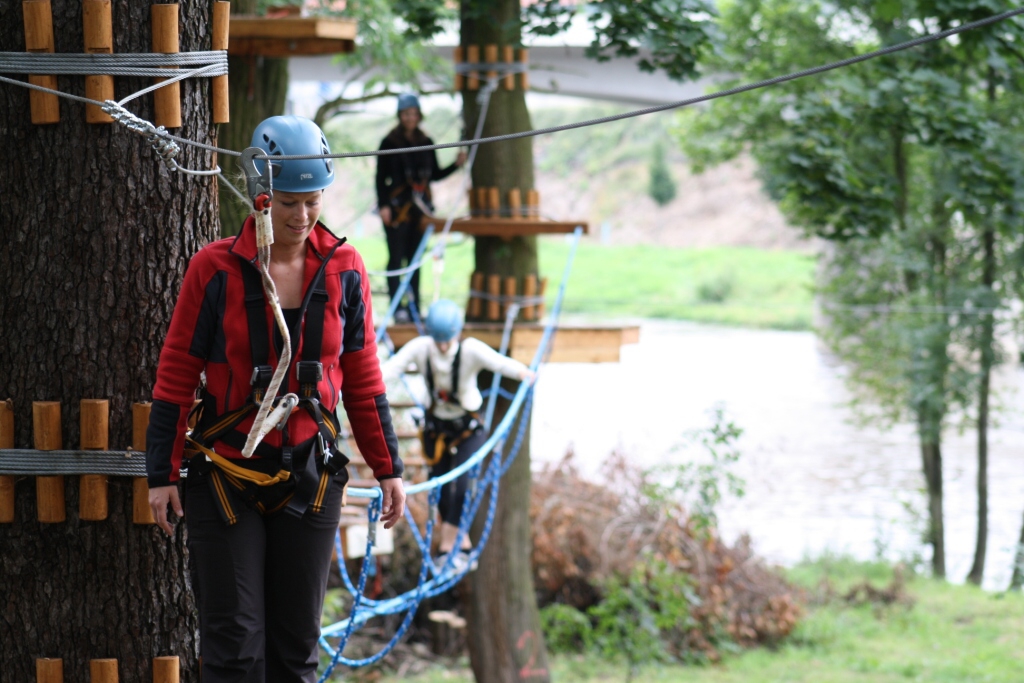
[586, 534]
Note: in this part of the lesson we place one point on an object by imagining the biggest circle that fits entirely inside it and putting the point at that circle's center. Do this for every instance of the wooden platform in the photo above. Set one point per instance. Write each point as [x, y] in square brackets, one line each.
[506, 227]
[290, 36]
[573, 343]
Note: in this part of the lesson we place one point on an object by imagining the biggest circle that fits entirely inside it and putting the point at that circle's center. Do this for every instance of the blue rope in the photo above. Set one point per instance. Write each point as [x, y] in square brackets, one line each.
[363, 608]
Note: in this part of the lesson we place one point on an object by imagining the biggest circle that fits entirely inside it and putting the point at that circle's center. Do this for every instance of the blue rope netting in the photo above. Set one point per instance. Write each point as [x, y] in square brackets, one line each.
[486, 486]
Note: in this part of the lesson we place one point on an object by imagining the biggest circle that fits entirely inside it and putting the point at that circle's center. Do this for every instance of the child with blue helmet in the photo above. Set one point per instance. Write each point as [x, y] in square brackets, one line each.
[261, 529]
[403, 192]
[452, 430]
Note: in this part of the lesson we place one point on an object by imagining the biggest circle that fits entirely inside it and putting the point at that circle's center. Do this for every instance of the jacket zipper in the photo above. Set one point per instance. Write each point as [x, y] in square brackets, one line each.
[330, 382]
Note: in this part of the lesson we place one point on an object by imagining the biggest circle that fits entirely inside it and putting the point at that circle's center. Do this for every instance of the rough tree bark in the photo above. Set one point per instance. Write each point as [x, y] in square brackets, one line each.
[506, 643]
[258, 89]
[96, 235]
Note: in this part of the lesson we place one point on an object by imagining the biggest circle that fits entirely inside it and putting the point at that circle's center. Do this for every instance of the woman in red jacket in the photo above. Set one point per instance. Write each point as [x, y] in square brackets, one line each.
[261, 529]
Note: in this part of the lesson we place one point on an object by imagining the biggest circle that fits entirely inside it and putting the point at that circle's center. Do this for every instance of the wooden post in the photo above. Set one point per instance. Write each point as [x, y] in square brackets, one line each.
[39, 38]
[543, 291]
[6, 441]
[510, 291]
[509, 81]
[49, 671]
[473, 208]
[494, 202]
[219, 41]
[493, 305]
[473, 57]
[92, 494]
[165, 669]
[102, 671]
[491, 57]
[166, 100]
[482, 203]
[530, 291]
[99, 39]
[476, 284]
[515, 204]
[457, 59]
[141, 512]
[532, 203]
[524, 78]
[49, 490]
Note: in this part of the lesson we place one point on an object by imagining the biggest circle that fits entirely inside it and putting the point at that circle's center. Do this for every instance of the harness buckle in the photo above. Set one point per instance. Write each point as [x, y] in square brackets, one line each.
[309, 371]
[261, 376]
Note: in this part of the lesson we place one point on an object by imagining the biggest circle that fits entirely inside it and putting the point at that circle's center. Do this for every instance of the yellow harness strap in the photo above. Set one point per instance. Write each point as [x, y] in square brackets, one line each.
[258, 478]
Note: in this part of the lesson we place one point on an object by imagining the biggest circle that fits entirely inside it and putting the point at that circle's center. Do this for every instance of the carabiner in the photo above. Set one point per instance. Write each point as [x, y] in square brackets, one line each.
[258, 185]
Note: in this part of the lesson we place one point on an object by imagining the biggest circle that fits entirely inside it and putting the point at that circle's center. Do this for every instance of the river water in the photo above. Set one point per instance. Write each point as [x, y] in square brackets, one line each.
[816, 480]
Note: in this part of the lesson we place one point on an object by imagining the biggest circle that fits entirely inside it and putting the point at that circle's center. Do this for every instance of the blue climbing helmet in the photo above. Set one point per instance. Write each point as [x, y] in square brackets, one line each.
[444, 320]
[408, 100]
[294, 135]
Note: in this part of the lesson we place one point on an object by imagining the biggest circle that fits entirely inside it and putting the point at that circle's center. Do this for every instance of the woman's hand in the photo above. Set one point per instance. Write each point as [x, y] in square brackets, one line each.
[385, 215]
[460, 160]
[528, 376]
[393, 504]
[159, 498]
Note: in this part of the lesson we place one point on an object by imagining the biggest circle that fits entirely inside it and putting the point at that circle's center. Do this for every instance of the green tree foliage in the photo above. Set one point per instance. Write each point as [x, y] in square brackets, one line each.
[911, 166]
[661, 186]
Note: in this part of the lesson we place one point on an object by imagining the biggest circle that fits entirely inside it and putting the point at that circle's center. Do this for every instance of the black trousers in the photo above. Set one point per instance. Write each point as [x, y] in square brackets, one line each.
[403, 238]
[453, 494]
[260, 586]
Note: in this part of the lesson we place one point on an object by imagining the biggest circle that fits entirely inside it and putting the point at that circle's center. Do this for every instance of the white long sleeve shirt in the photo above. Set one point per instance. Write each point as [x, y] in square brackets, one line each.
[476, 356]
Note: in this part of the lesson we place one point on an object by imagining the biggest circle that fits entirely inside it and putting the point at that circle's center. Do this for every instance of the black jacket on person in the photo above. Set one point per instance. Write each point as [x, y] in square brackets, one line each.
[397, 173]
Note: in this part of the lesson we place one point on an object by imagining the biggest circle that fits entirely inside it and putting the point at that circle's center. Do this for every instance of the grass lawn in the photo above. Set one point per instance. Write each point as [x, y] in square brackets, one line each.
[952, 634]
[726, 285]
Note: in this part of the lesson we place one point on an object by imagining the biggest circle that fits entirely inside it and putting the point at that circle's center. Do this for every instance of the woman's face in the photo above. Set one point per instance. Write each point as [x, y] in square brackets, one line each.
[294, 214]
[443, 346]
[410, 118]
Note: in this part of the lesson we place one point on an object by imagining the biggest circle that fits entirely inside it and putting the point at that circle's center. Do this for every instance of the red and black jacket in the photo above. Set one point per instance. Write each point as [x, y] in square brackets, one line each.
[210, 332]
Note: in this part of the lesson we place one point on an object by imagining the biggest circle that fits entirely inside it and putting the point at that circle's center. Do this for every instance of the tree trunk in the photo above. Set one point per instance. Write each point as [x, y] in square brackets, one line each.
[1017, 580]
[987, 342]
[96, 235]
[506, 643]
[258, 88]
[931, 456]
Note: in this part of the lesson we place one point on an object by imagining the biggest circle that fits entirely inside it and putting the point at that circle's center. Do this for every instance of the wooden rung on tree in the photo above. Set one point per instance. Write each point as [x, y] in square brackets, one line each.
[509, 293]
[38, 19]
[457, 59]
[141, 512]
[509, 81]
[166, 100]
[98, 29]
[491, 57]
[473, 57]
[476, 284]
[494, 291]
[530, 291]
[524, 77]
[515, 204]
[47, 433]
[166, 669]
[92, 496]
[49, 670]
[102, 671]
[219, 41]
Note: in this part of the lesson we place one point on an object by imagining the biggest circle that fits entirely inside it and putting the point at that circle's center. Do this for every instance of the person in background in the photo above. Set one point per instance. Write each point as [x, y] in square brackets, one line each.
[403, 193]
[261, 530]
[452, 430]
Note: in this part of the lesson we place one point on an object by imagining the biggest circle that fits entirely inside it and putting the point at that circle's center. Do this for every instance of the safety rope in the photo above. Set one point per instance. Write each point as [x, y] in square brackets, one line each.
[144, 64]
[803, 73]
[18, 461]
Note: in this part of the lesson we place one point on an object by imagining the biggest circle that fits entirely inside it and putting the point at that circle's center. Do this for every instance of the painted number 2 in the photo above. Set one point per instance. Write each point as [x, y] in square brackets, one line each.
[528, 642]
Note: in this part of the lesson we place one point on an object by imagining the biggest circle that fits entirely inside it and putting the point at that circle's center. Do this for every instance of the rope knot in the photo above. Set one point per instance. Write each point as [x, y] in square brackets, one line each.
[158, 137]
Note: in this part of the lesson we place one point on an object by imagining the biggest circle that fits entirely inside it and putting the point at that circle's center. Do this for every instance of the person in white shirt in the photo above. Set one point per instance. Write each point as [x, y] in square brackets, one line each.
[452, 431]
